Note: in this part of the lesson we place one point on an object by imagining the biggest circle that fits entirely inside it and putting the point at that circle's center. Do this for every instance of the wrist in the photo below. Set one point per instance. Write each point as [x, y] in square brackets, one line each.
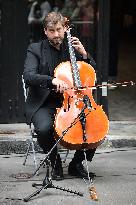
[87, 56]
[84, 55]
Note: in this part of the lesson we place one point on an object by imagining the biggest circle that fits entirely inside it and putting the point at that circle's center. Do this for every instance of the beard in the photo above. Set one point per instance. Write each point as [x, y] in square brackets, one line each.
[56, 41]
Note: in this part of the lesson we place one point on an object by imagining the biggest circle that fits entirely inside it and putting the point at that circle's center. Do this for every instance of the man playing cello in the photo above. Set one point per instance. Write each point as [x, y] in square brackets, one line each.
[41, 60]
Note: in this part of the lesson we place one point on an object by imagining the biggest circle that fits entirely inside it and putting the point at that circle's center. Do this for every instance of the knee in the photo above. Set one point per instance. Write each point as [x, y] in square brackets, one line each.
[43, 131]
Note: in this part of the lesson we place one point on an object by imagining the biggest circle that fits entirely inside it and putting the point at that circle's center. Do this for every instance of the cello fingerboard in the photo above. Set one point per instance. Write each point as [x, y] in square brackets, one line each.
[75, 70]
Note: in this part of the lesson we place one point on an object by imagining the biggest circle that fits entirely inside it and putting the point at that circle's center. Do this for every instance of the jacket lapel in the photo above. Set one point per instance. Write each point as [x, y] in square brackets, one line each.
[46, 54]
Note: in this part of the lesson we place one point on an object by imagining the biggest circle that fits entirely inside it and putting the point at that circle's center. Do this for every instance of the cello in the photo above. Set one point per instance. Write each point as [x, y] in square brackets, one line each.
[85, 121]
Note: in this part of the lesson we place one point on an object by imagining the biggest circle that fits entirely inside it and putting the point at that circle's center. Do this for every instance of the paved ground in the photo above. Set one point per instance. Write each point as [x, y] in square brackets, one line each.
[113, 164]
[115, 180]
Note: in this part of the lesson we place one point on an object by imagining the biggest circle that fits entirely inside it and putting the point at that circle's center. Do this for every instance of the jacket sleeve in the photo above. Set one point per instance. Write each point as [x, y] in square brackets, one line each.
[31, 68]
[88, 60]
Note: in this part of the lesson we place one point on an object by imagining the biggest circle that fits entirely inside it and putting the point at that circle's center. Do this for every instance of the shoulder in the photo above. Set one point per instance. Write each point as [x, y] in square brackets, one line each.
[36, 48]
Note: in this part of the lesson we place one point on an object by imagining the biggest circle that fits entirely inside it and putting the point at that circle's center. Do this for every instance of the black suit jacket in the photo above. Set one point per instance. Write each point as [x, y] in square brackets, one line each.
[38, 75]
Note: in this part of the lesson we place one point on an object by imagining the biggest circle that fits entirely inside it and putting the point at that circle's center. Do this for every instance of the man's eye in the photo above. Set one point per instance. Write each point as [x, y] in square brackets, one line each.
[51, 30]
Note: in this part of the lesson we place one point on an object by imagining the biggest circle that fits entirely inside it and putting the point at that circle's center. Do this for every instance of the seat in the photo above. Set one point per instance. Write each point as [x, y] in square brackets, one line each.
[33, 136]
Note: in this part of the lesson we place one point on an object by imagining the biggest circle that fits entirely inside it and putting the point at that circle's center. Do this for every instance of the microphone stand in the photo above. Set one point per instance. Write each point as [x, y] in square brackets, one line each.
[47, 182]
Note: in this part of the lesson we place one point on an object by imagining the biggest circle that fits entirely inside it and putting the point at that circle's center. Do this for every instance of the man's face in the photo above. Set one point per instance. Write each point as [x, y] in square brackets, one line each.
[55, 34]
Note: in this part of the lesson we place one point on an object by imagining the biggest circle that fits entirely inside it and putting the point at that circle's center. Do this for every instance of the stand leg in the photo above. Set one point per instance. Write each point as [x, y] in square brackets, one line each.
[27, 152]
[26, 199]
[47, 183]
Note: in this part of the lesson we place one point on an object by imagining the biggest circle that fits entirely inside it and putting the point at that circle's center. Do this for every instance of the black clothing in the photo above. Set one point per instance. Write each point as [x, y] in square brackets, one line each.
[42, 58]
[38, 73]
[78, 170]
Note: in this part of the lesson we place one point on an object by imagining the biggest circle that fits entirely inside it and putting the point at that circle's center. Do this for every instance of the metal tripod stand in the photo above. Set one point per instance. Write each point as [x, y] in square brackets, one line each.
[47, 183]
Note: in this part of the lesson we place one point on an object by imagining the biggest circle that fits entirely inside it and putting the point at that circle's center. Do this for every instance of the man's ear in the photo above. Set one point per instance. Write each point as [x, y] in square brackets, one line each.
[65, 28]
[45, 31]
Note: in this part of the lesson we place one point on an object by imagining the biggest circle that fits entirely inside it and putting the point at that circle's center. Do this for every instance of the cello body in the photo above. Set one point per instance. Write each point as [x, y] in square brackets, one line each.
[96, 121]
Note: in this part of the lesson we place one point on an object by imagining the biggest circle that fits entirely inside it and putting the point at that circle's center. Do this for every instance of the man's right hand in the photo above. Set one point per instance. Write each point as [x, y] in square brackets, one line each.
[61, 85]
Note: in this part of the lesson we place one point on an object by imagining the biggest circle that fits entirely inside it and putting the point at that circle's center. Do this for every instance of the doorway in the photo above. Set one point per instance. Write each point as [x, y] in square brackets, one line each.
[122, 100]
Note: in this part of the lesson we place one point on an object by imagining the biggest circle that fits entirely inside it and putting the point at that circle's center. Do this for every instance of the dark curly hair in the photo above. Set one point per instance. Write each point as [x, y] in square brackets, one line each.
[53, 18]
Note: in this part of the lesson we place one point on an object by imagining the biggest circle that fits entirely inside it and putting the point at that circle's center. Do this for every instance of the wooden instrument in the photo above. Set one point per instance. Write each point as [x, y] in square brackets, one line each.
[89, 122]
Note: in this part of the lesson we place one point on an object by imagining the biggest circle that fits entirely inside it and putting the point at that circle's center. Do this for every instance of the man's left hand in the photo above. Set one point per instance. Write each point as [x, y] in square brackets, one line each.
[79, 46]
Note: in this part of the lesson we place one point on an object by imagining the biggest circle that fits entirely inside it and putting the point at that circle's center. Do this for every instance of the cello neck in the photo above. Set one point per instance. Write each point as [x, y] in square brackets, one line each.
[75, 70]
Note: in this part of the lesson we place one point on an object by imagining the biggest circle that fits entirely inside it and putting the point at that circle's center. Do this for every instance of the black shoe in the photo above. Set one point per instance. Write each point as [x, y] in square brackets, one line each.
[79, 170]
[57, 171]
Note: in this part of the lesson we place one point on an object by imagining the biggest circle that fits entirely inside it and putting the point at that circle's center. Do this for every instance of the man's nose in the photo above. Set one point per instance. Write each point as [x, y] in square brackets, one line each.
[56, 33]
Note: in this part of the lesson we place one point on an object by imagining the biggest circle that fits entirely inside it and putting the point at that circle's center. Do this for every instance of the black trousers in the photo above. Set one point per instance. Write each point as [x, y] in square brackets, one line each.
[43, 121]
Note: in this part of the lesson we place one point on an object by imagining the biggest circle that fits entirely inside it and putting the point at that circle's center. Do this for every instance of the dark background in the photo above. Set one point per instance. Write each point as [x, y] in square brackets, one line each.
[111, 38]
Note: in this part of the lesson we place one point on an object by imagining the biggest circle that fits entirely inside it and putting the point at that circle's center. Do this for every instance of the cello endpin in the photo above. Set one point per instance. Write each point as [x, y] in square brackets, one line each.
[93, 194]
